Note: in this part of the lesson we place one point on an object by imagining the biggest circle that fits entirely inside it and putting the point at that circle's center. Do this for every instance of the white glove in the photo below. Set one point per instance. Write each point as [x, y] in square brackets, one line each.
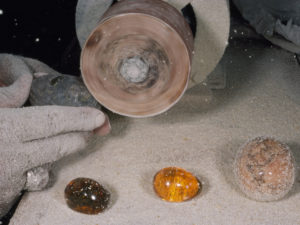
[290, 31]
[15, 81]
[266, 17]
[32, 138]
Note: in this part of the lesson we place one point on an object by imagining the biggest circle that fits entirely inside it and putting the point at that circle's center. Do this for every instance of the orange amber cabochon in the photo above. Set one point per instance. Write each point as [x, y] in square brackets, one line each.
[174, 184]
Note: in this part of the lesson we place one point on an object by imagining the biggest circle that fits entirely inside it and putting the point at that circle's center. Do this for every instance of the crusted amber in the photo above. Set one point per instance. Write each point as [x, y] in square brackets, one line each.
[265, 169]
[174, 184]
[86, 196]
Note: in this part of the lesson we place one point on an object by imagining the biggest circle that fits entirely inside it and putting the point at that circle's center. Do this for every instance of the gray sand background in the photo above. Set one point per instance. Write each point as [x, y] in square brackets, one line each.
[201, 134]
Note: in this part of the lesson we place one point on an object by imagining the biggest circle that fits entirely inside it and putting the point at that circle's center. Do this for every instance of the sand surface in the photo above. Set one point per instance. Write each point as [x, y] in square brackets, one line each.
[201, 134]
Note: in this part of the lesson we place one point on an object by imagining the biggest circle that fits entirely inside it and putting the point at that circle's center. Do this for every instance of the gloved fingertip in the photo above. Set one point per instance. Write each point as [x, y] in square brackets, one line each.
[37, 178]
[100, 119]
[104, 129]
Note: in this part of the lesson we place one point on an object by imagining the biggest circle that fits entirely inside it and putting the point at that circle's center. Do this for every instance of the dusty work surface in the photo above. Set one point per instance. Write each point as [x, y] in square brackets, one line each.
[201, 134]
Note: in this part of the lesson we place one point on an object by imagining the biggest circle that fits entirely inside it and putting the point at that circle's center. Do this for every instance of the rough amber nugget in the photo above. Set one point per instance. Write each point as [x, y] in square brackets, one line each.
[86, 196]
[265, 169]
[174, 184]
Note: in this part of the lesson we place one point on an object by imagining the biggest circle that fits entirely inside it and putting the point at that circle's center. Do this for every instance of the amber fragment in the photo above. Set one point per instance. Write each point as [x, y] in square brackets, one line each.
[86, 196]
[174, 184]
[265, 169]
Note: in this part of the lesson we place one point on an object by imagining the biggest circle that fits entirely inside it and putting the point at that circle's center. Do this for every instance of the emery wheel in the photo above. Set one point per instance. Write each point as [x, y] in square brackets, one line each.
[212, 30]
[137, 59]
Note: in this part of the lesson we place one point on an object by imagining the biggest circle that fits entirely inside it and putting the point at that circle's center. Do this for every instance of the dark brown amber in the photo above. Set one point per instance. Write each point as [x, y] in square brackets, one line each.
[86, 196]
[174, 184]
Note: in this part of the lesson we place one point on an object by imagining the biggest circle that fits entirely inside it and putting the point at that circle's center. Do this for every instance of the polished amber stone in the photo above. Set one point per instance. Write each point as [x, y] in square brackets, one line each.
[174, 184]
[86, 196]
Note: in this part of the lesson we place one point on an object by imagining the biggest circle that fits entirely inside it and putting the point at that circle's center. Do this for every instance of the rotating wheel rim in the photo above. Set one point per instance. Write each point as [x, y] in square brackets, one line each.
[137, 62]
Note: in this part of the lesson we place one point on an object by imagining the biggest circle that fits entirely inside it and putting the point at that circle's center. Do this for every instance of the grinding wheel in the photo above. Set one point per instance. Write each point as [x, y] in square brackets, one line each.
[137, 57]
[213, 22]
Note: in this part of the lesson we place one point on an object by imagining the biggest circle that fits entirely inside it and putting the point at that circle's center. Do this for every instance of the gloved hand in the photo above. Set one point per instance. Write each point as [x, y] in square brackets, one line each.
[290, 31]
[32, 138]
[16, 74]
[15, 81]
[268, 17]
